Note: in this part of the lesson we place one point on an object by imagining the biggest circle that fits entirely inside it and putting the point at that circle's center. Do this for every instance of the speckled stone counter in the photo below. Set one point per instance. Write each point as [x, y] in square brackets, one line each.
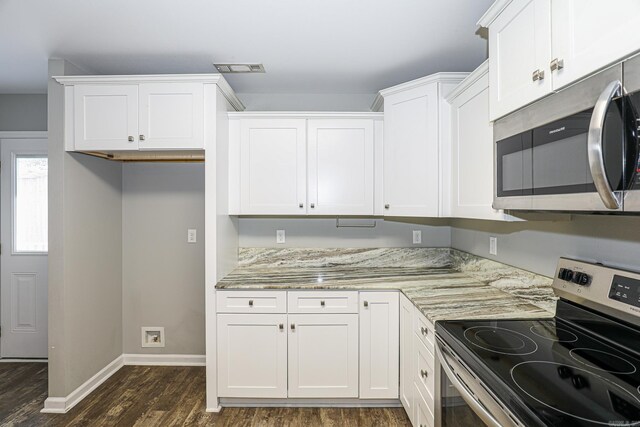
[443, 283]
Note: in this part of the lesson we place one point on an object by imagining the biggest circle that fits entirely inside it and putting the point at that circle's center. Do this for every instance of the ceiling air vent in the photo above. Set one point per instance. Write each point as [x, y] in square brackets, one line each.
[239, 68]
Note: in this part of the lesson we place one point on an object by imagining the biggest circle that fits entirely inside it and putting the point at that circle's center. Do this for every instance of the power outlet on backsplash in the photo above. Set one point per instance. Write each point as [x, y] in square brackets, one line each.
[493, 245]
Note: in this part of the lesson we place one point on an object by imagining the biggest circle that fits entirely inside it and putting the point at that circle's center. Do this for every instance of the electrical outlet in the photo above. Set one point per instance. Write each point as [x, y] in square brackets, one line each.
[152, 336]
[493, 245]
[280, 236]
[192, 235]
[417, 237]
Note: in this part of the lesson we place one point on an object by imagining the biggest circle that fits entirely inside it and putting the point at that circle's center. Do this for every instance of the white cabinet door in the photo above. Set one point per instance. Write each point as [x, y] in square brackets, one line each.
[341, 164]
[519, 45]
[411, 155]
[171, 116]
[589, 34]
[252, 355]
[273, 173]
[105, 117]
[407, 373]
[379, 345]
[472, 154]
[323, 355]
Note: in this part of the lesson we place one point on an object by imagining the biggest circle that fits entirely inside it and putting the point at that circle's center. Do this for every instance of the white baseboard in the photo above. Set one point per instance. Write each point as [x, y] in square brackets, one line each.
[61, 405]
[216, 409]
[164, 359]
[24, 360]
[239, 402]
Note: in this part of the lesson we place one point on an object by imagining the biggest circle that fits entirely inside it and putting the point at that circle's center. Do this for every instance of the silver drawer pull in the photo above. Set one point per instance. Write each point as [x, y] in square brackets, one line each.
[556, 64]
[423, 373]
[142, 138]
[250, 303]
[301, 205]
[366, 303]
[386, 206]
[313, 205]
[293, 326]
[281, 326]
[424, 330]
[321, 303]
[130, 139]
[537, 75]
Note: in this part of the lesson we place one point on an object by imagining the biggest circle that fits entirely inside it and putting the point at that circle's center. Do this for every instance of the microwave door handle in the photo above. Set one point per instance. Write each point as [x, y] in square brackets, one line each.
[468, 397]
[595, 145]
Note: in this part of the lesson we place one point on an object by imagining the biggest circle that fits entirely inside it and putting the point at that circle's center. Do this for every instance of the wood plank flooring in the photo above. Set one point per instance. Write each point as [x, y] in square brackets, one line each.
[161, 396]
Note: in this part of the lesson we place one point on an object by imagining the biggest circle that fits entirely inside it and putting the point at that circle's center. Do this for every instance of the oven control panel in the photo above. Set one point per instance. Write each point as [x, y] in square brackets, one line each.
[626, 290]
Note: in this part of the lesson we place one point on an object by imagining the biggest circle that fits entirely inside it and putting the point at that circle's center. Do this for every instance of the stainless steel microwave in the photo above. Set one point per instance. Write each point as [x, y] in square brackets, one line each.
[575, 150]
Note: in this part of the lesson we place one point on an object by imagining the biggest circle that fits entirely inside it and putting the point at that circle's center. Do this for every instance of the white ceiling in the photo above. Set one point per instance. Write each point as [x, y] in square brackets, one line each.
[306, 46]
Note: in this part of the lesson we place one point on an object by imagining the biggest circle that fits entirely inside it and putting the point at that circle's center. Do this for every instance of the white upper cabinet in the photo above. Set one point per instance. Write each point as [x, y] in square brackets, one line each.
[273, 166]
[416, 136]
[589, 34]
[472, 149]
[105, 116]
[341, 167]
[519, 52]
[171, 115]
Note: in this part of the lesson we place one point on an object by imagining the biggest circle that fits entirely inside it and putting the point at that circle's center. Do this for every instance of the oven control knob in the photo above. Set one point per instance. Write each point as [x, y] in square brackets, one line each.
[566, 274]
[581, 279]
[579, 381]
[565, 372]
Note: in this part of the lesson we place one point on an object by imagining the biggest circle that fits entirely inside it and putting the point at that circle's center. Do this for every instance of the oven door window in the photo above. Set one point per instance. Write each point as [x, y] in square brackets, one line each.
[514, 166]
[455, 411]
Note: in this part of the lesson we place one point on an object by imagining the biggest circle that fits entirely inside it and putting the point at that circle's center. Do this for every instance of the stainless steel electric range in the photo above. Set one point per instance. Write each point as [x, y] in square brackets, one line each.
[580, 368]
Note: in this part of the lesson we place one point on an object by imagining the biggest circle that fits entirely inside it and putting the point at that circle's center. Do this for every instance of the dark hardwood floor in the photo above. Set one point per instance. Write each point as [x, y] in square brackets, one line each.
[160, 396]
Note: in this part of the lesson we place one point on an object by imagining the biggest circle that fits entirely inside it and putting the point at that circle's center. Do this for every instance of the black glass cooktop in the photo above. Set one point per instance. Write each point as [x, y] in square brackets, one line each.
[554, 372]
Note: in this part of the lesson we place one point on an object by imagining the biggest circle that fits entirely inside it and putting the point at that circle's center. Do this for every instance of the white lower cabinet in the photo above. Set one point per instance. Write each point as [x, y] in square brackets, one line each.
[323, 355]
[379, 340]
[252, 355]
[406, 356]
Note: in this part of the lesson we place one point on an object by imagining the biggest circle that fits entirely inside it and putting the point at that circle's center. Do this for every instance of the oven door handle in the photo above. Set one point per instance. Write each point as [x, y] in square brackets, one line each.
[464, 391]
[595, 143]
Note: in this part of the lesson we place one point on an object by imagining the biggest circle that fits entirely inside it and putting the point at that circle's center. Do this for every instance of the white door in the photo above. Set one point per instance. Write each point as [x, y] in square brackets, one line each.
[105, 117]
[379, 345]
[23, 234]
[407, 357]
[589, 34]
[340, 161]
[323, 355]
[519, 46]
[411, 155]
[273, 167]
[171, 116]
[252, 355]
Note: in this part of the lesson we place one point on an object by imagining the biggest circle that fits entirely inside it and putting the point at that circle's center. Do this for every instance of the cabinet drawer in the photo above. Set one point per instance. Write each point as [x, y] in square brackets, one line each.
[251, 302]
[323, 302]
[425, 377]
[423, 415]
[424, 330]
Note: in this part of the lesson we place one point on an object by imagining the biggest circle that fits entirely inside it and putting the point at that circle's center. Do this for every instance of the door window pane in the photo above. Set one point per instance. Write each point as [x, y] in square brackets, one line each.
[30, 204]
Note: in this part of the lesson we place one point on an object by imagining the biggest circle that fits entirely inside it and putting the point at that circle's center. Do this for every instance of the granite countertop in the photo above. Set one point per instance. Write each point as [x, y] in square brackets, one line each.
[442, 283]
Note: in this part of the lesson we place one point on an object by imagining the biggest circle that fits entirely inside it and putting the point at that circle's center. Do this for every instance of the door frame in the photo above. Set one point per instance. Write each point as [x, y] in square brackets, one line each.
[22, 135]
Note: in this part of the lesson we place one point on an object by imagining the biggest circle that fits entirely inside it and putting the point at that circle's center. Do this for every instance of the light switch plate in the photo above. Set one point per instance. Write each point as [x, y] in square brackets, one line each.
[192, 235]
[280, 238]
[417, 237]
[493, 245]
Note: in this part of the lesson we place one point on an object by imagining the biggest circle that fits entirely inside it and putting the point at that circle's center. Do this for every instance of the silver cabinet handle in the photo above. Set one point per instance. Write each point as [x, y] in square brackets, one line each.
[301, 205]
[424, 330]
[281, 326]
[595, 145]
[321, 303]
[366, 303]
[142, 138]
[293, 326]
[130, 139]
[556, 64]
[250, 303]
[423, 373]
[313, 205]
[537, 75]
[386, 206]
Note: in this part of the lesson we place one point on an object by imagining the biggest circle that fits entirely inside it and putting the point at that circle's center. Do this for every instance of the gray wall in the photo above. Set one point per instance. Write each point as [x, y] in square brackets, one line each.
[306, 101]
[85, 261]
[163, 275]
[537, 245]
[23, 112]
[322, 233]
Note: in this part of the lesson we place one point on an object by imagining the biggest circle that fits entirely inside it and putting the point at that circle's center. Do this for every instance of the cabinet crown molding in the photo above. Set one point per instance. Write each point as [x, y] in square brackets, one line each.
[492, 13]
[474, 76]
[433, 78]
[216, 79]
[304, 115]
